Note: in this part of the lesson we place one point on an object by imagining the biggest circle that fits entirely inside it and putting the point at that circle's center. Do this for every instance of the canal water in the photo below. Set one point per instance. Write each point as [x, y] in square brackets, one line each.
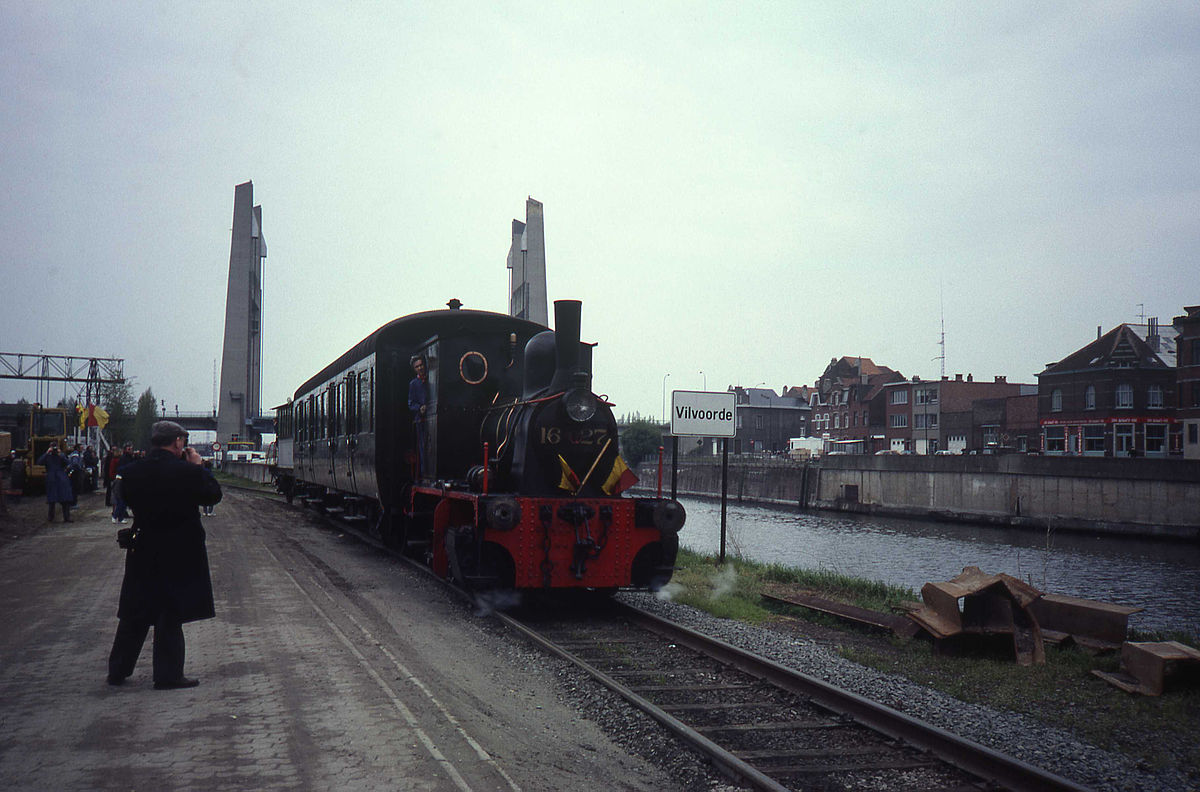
[1163, 577]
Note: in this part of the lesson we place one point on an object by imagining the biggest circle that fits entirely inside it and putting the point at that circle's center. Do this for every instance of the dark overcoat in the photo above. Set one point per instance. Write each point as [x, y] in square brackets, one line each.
[58, 484]
[167, 571]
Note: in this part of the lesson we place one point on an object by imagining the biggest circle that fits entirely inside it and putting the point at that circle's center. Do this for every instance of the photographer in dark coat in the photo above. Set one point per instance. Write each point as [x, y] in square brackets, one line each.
[166, 580]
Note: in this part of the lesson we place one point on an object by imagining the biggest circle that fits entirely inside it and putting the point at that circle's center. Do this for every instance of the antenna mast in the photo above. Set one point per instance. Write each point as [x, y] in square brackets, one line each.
[942, 334]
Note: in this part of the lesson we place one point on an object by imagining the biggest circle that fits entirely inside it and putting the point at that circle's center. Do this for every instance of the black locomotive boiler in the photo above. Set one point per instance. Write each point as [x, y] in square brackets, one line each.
[511, 475]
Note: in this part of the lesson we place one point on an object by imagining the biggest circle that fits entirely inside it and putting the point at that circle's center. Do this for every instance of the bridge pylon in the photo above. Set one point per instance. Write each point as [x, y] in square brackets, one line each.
[240, 400]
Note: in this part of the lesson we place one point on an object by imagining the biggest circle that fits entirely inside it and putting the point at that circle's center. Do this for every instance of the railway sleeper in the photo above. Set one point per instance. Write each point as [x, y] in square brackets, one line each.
[686, 688]
[774, 726]
[718, 707]
[847, 768]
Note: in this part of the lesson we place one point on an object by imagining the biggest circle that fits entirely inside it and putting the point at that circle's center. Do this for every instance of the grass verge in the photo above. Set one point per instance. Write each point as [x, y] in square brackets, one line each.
[1159, 732]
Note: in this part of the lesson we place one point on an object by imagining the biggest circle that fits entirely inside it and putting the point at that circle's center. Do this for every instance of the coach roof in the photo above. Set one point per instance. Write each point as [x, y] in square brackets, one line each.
[415, 329]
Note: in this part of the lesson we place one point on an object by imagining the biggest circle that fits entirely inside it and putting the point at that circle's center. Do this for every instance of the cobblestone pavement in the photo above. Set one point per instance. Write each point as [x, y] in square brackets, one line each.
[329, 666]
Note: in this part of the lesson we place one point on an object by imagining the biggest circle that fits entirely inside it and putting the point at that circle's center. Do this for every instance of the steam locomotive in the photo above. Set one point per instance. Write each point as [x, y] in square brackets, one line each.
[500, 469]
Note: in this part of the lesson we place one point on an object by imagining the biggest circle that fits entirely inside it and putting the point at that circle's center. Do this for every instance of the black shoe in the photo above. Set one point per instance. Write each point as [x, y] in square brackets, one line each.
[115, 680]
[182, 682]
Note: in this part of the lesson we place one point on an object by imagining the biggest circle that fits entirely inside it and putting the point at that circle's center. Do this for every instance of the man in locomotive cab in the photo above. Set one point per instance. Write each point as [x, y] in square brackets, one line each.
[418, 405]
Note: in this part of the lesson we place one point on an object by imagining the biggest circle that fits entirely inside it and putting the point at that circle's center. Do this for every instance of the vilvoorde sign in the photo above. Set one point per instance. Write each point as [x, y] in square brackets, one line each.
[703, 414]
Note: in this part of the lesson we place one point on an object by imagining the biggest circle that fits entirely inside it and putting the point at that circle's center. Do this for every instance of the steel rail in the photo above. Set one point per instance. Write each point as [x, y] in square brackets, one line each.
[967, 755]
[729, 764]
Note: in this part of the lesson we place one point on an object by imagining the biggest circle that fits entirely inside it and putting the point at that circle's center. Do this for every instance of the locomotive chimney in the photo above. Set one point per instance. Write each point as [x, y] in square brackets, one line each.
[566, 342]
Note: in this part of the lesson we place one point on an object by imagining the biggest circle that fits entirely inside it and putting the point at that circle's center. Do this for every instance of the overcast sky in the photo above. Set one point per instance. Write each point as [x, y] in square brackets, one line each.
[740, 189]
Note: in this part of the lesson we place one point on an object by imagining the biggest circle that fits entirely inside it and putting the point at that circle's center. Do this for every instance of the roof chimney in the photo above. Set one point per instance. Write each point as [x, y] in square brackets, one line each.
[1098, 333]
[970, 377]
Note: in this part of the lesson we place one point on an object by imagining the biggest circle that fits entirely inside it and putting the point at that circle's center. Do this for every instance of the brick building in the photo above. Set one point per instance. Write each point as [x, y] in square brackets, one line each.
[1113, 397]
[959, 415]
[847, 402]
[1187, 379]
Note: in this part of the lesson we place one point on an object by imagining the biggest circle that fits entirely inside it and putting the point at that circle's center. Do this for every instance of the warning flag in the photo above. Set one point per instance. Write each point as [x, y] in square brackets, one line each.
[619, 479]
[569, 481]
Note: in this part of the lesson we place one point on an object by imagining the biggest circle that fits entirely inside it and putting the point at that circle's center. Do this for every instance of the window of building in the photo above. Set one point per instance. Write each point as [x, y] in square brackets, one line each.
[837, 420]
[926, 396]
[1123, 438]
[925, 421]
[1055, 440]
[1196, 394]
[1196, 352]
[1156, 439]
[1056, 400]
[898, 396]
[991, 434]
[758, 422]
[899, 421]
[1089, 398]
[865, 421]
[1193, 433]
[1154, 397]
[1093, 440]
[1124, 396]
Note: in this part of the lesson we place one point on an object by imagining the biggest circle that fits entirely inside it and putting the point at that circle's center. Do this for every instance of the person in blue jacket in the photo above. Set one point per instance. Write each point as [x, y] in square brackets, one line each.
[58, 483]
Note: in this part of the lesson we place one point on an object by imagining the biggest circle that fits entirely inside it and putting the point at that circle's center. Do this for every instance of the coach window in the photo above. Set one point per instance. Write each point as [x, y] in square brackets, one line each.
[351, 404]
[332, 407]
[364, 405]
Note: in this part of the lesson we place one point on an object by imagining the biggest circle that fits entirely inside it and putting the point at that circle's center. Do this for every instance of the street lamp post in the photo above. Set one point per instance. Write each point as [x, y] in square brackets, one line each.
[664, 397]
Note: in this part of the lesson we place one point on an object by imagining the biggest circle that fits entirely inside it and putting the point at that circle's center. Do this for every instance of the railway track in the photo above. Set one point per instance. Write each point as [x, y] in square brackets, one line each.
[767, 726]
[762, 724]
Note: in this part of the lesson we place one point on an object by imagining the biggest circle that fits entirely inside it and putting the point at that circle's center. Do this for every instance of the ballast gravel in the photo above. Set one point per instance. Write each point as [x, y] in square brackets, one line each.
[1047, 747]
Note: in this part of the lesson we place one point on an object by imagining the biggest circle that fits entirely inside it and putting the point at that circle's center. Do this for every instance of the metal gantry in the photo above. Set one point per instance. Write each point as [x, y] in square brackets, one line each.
[61, 368]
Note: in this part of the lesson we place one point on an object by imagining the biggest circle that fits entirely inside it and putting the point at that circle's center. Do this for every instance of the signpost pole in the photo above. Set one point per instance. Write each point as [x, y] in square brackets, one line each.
[724, 489]
[674, 466]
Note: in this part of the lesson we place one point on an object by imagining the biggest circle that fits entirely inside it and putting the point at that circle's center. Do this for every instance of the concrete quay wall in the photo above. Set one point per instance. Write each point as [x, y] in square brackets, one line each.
[257, 472]
[1139, 497]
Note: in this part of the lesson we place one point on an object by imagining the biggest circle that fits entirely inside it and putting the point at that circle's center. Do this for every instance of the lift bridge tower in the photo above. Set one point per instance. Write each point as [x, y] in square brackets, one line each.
[239, 411]
[527, 265]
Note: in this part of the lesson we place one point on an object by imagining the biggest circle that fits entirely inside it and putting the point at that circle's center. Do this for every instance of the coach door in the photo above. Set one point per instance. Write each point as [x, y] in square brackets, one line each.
[427, 433]
[351, 427]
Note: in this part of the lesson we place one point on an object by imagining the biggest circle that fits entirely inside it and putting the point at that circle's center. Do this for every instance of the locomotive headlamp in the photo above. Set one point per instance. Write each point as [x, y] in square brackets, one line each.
[580, 404]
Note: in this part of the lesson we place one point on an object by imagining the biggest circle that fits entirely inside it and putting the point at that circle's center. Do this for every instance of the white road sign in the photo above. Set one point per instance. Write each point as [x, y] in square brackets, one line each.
[703, 414]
